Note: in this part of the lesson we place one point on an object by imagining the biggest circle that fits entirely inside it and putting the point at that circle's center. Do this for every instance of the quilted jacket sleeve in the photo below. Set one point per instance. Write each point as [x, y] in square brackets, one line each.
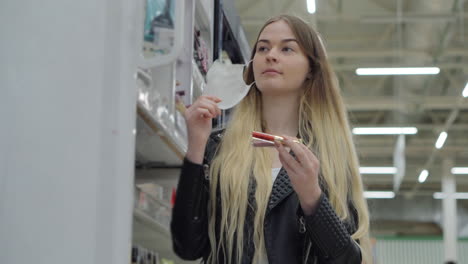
[331, 236]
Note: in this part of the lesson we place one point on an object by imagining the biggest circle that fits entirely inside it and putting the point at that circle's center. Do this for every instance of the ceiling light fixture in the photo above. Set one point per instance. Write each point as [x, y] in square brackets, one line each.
[385, 130]
[378, 170]
[459, 170]
[423, 176]
[465, 91]
[441, 140]
[379, 195]
[398, 71]
[311, 6]
[458, 195]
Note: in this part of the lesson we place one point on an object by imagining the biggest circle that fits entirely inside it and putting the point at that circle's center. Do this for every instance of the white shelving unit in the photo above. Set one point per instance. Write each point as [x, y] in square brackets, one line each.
[160, 129]
[161, 137]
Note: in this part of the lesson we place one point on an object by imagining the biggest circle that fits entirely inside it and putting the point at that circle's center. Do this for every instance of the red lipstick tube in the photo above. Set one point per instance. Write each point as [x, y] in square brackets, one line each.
[260, 139]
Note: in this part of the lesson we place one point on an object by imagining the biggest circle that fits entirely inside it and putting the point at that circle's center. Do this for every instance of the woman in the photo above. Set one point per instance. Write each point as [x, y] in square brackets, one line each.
[231, 207]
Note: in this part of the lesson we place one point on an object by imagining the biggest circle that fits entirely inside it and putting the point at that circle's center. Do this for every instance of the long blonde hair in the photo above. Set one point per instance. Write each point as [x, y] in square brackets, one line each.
[323, 124]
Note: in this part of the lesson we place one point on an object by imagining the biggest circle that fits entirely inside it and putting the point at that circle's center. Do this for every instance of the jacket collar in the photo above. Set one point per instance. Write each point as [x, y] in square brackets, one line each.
[282, 188]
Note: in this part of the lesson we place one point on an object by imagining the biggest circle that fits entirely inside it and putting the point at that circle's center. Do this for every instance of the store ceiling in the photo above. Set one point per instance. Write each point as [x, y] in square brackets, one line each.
[383, 33]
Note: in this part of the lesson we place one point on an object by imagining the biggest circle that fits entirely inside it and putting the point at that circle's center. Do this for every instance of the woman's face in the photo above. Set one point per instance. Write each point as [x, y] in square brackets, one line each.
[279, 65]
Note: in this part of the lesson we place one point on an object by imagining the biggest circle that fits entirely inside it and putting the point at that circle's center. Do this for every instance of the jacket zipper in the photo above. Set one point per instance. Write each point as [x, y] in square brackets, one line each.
[307, 244]
[302, 227]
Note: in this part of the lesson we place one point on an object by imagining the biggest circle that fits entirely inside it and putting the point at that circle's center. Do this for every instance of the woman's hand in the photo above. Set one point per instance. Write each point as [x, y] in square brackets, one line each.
[198, 120]
[303, 172]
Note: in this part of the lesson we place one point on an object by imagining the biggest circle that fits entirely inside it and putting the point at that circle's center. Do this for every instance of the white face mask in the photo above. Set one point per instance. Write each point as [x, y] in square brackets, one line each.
[226, 82]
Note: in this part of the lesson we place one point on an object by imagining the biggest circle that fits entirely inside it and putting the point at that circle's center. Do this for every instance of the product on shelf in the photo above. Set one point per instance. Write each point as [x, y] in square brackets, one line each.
[200, 52]
[159, 26]
[157, 209]
[141, 255]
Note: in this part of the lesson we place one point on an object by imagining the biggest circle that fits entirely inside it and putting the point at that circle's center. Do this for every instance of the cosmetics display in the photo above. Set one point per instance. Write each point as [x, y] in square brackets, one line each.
[200, 52]
[165, 90]
[159, 27]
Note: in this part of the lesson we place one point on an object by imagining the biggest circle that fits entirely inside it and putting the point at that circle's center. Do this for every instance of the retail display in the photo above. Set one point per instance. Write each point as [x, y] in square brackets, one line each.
[176, 67]
[200, 52]
[159, 26]
[158, 210]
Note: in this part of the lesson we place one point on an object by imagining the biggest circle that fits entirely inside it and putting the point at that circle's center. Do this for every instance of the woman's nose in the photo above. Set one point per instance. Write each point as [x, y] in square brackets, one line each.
[272, 55]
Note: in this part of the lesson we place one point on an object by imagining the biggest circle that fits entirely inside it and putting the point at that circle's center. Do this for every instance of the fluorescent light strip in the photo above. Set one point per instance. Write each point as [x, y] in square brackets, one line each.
[423, 176]
[458, 195]
[379, 195]
[460, 170]
[465, 91]
[385, 130]
[398, 71]
[378, 170]
[441, 140]
[311, 6]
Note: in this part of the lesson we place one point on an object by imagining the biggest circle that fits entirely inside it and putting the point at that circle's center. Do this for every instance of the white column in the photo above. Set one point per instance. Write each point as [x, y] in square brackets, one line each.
[449, 209]
[67, 111]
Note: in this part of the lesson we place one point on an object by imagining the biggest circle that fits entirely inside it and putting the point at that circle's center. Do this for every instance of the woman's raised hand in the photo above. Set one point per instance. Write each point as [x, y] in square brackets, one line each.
[198, 118]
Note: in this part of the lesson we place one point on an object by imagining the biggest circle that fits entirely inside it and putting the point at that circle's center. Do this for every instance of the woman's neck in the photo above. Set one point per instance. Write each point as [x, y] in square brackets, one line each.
[281, 114]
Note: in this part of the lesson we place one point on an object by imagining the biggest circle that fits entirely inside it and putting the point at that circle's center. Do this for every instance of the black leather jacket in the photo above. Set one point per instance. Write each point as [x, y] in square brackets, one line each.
[290, 237]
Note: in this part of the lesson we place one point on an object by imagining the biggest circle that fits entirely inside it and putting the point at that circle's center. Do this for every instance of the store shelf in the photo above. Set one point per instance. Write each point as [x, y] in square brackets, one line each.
[146, 221]
[151, 227]
[154, 236]
[160, 138]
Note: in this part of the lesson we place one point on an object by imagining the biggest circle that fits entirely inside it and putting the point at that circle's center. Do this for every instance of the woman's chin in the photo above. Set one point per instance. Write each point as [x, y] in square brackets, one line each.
[269, 86]
[276, 92]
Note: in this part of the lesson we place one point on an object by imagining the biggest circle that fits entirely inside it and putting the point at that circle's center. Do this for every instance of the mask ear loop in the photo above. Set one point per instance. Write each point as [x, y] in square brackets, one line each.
[246, 66]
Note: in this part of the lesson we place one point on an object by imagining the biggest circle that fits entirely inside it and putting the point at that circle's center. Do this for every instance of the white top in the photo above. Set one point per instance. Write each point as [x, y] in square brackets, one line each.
[274, 173]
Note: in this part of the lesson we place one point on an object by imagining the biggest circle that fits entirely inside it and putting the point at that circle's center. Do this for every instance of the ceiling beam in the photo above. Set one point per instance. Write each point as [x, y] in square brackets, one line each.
[244, 6]
[287, 6]
[420, 127]
[372, 19]
[381, 103]
[382, 53]
[442, 65]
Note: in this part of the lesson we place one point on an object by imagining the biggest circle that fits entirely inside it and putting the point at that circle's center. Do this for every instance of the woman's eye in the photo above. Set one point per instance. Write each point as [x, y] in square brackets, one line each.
[287, 49]
[261, 49]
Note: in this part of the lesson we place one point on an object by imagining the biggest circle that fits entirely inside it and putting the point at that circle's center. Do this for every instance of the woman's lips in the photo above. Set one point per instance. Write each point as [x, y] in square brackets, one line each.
[271, 72]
